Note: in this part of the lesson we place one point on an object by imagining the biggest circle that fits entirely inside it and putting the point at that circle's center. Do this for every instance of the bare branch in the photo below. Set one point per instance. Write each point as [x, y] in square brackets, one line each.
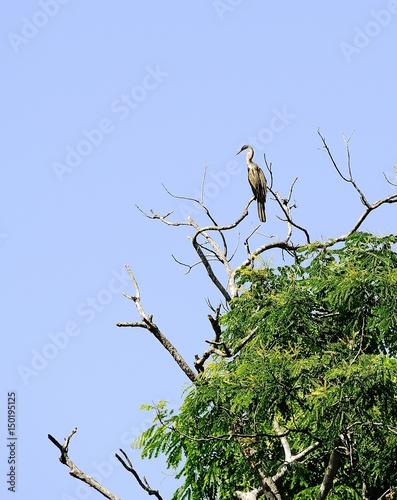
[269, 169]
[285, 244]
[284, 202]
[127, 464]
[389, 181]
[201, 204]
[147, 322]
[162, 218]
[189, 266]
[389, 199]
[210, 272]
[222, 257]
[246, 242]
[348, 179]
[286, 208]
[75, 471]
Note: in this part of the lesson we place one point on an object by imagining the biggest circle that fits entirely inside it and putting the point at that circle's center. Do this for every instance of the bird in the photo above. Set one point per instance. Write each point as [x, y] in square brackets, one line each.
[257, 181]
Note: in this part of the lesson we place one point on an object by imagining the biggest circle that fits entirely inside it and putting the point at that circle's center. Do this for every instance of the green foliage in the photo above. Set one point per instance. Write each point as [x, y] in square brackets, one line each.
[322, 364]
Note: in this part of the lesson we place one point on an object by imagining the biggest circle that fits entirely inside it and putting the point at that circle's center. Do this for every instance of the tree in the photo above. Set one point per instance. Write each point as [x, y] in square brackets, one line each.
[295, 397]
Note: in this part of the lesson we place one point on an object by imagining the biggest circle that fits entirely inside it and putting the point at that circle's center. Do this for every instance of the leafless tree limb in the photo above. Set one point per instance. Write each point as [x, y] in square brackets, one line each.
[219, 253]
[348, 179]
[222, 257]
[284, 203]
[388, 180]
[246, 242]
[127, 464]
[75, 471]
[147, 322]
[269, 169]
[189, 266]
[201, 204]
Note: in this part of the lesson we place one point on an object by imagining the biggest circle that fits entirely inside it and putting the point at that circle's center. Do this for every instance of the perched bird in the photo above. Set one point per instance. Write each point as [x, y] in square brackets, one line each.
[257, 181]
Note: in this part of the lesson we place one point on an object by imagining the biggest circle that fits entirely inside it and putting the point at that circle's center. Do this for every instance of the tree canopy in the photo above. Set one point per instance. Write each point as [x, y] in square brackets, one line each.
[313, 393]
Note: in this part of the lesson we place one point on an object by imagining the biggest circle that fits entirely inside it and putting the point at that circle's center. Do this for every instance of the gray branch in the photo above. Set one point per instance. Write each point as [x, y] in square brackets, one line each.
[330, 473]
[147, 323]
[127, 464]
[75, 471]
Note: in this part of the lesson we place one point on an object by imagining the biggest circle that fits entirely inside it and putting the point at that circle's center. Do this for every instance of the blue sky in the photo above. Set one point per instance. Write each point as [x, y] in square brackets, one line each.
[102, 102]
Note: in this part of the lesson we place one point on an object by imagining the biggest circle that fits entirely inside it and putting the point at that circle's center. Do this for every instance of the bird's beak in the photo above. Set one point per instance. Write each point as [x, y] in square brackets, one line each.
[239, 151]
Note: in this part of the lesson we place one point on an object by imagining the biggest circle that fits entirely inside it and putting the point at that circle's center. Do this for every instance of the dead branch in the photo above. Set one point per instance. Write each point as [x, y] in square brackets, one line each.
[284, 203]
[148, 324]
[389, 199]
[209, 269]
[202, 206]
[221, 256]
[127, 464]
[246, 242]
[75, 471]
[270, 170]
[388, 180]
[216, 251]
[349, 179]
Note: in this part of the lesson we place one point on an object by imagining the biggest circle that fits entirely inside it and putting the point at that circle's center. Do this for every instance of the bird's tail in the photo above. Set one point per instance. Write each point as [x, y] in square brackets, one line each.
[261, 211]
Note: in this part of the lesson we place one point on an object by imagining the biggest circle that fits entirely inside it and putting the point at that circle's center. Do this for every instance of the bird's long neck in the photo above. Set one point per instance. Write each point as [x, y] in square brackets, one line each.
[249, 156]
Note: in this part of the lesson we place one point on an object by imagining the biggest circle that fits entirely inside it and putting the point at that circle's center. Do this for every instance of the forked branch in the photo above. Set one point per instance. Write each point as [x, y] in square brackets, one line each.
[143, 483]
[147, 323]
[75, 471]
[85, 478]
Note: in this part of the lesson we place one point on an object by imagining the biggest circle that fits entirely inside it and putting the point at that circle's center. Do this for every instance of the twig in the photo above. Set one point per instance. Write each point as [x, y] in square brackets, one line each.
[246, 242]
[348, 179]
[201, 204]
[388, 180]
[127, 464]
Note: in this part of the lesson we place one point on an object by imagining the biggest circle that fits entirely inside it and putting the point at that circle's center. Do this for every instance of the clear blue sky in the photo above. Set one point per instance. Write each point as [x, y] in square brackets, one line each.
[101, 103]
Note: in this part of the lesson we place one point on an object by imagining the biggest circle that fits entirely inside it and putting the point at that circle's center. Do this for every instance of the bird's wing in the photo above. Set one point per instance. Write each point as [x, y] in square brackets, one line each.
[262, 186]
[257, 181]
